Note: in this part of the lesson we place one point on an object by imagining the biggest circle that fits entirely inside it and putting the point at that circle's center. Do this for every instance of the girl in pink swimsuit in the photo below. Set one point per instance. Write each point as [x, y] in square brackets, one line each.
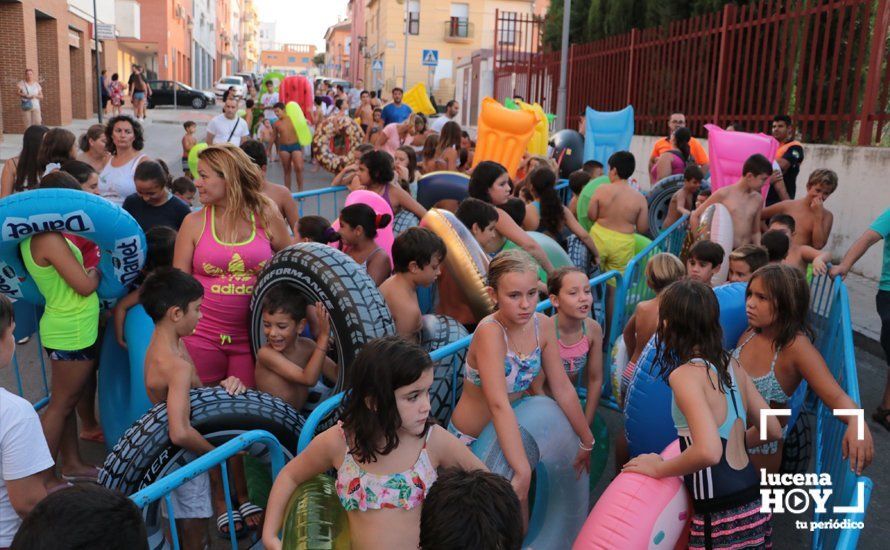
[386, 456]
[358, 229]
[580, 337]
[225, 245]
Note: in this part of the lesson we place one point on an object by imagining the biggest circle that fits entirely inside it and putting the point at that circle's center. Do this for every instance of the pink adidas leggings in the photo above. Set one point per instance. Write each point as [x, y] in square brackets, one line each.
[216, 361]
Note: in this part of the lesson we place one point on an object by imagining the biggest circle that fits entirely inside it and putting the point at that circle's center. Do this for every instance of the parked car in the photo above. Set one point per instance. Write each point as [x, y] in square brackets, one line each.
[162, 94]
[249, 77]
[225, 82]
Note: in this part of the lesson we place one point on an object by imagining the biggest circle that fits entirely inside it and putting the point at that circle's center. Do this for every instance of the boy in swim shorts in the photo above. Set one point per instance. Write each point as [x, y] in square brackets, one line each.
[289, 149]
[173, 300]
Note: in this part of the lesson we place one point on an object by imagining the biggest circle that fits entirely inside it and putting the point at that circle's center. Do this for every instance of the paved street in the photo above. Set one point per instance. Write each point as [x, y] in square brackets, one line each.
[163, 132]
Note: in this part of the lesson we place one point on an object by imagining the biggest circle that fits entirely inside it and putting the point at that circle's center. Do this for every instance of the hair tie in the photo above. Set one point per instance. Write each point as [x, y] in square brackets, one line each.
[330, 235]
[378, 219]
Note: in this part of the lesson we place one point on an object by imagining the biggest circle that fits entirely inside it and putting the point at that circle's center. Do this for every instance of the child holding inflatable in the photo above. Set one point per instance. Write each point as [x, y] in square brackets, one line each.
[358, 228]
[385, 439]
[376, 173]
[777, 353]
[572, 298]
[417, 254]
[502, 365]
[713, 402]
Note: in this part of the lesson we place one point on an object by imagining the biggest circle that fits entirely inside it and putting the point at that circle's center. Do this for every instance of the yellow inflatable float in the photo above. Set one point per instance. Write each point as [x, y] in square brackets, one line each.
[314, 518]
[503, 135]
[538, 144]
[295, 114]
[419, 100]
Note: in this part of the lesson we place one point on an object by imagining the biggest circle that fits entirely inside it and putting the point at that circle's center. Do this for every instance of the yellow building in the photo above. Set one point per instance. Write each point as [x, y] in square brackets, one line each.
[250, 39]
[453, 29]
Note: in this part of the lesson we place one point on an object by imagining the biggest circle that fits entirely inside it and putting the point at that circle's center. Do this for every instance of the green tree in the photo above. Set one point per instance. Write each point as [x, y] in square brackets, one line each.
[318, 60]
[577, 26]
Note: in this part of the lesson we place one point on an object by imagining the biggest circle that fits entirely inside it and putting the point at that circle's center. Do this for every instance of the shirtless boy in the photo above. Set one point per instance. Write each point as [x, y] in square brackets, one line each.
[279, 194]
[683, 201]
[617, 211]
[812, 219]
[799, 255]
[365, 111]
[416, 254]
[289, 365]
[173, 300]
[743, 199]
[188, 141]
[289, 149]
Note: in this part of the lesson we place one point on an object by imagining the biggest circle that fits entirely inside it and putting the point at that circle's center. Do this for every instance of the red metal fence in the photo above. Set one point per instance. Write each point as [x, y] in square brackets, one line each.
[824, 62]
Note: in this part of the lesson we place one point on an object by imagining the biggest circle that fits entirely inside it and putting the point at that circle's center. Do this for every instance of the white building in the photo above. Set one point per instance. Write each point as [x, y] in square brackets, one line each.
[235, 29]
[267, 36]
[203, 43]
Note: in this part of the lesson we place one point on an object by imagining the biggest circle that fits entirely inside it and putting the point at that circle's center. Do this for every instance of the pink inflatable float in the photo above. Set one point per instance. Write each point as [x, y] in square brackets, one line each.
[638, 511]
[728, 151]
[384, 236]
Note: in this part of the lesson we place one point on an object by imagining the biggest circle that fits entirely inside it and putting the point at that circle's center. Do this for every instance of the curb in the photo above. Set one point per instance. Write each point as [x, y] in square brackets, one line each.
[867, 344]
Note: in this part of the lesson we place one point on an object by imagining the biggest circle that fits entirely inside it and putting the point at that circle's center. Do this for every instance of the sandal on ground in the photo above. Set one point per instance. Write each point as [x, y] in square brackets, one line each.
[83, 478]
[222, 521]
[248, 510]
[882, 417]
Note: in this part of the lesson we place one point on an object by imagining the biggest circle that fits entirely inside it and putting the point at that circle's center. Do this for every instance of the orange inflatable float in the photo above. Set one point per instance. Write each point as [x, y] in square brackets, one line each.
[299, 90]
[503, 135]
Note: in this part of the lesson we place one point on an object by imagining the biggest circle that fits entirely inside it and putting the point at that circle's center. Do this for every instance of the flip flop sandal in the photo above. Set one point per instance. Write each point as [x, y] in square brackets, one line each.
[222, 521]
[247, 510]
[882, 417]
[81, 478]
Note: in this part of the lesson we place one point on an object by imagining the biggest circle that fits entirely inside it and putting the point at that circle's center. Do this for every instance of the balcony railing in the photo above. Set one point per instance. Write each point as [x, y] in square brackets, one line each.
[459, 29]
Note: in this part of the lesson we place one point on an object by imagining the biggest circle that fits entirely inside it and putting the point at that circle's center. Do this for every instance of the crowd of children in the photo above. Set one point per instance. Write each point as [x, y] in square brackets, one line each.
[386, 450]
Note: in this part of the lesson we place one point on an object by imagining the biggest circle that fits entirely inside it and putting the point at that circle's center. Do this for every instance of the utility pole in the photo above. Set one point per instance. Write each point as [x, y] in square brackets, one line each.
[563, 66]
[407, 28]
[98, 69]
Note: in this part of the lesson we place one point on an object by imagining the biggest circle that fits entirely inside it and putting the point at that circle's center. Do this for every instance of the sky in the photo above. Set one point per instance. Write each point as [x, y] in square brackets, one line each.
[301, 21]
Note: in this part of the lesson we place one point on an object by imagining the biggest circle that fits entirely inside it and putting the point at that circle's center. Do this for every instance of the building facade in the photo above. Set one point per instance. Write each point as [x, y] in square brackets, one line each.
[338, 41]
[203, 43]
[235, 7]
[450, 30]
[164, 47]
[267, 36]
[291, 59]
[358, 40]
[56, 42]
[250, 37]
[223, 40]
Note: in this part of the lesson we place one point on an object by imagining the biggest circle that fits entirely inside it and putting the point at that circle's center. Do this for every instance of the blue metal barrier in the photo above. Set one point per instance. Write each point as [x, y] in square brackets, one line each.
[830, 316]
[162, 488]
[326, 202]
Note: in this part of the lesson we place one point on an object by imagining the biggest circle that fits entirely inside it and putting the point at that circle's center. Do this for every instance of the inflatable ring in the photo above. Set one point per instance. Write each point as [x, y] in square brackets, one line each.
[118, 236]
[439, 331]
[503, 135]
[465, 260]
[555, 253]
[584, 200]
[145, 453]
[322, 273]
[276, 77]
[329, 156]
[193, 157]
[660, 510]
[560, 498]
[600, 455]
[716, 226]
[439, 186]
[607, 132]
[385, 237]
[403, 221]
[121, 375]
[295, 114]
[314, 517]
[659, 201]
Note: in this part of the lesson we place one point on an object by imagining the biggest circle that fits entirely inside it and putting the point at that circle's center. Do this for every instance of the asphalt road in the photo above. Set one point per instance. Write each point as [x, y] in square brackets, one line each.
[163, 132]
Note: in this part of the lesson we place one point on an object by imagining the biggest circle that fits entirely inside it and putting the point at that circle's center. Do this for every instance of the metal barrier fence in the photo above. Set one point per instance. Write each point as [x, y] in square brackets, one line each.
[162, 488]
[830, 316]
[321, 202]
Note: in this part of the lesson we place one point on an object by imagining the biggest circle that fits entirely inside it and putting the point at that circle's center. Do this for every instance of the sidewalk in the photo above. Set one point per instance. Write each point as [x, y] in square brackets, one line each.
[12, 143]
[866, 323]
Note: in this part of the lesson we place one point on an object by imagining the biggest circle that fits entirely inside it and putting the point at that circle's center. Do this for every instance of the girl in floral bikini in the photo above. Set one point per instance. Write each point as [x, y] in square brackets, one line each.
[386, 450]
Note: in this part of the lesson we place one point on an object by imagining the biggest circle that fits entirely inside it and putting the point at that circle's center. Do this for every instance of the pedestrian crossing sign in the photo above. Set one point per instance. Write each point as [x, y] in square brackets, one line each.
[377, 65]
[430, 58]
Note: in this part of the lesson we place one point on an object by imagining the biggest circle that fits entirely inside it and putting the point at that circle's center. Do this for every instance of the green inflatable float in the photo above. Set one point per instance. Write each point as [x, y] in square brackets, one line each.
[193, 158]
[276, 77]
[314, 517]
[557, 256]
[584, 200]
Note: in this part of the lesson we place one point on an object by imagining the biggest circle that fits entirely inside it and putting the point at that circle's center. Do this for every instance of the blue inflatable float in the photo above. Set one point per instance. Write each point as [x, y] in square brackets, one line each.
[550, 445]
[119, 237]
[733, 318]
[438, 186]
[607, 132]
[122, 395]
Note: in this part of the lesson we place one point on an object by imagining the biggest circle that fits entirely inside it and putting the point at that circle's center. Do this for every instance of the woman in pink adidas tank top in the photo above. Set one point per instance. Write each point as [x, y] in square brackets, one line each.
[224, 246]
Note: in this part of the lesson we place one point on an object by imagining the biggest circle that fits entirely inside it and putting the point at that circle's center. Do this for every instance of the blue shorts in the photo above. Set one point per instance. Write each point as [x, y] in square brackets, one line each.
[85, 354]
[138, 96]
[290, 148]
[462, 437]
